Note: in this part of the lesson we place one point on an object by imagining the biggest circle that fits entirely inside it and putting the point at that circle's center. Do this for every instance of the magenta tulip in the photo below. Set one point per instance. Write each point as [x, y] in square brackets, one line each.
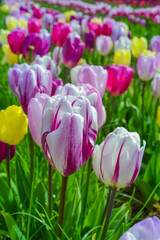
[25, 81]
[34, 25]
[60, 32]
[37, 13]
[3, 151]
[119, 79]
[16, 39]
[117, 160]
[107, 28]
[95, 27]
[71, 123]
[89, 39]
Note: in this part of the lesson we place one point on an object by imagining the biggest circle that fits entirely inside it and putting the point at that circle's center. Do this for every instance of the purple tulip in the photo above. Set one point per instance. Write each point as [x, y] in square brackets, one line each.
[56, 82]
[35, 110]
[94, 75]
[104, 44]
[3, 151]
[72, 51]
[89, 92]
[89, 39]
[47, 20]
[117, 160]
[25, 81]
[117, 32]
[71, 123]
[155, 44]
[146, 229]
[40, 46]
[146, 67]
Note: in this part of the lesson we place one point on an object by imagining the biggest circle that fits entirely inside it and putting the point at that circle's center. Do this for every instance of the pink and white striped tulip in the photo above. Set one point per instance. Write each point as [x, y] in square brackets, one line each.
[117, 160]
[104, 44]
[25, 81]
[146, 67]
[69, 132]
[156, 85]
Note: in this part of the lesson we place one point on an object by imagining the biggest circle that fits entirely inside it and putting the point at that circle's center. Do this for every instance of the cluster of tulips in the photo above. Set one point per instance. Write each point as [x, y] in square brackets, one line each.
[61, 98]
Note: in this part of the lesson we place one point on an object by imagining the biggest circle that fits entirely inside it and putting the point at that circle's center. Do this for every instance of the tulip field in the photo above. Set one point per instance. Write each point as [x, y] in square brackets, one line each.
[79, 120]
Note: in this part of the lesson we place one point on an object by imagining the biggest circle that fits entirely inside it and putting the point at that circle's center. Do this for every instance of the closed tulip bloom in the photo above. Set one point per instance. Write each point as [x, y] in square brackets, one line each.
[56, 82]
[10, 57]
[16, 39]
[71, 123]
[155, 44]
[107, 28]
[3, 151]
[147, 229]
[47, 20]
[34, 25]
[11, 23]
[35, 110]
[104, 45]
[138, 45]
[157, 63]
[57, 56]
[3, 36]
[117, 32]
[89, 92]
[156, 85]
[148, 53]
[72, 51]
[89, 39]
[60, 32]
[95, 27]
[69, 14]
[94, 75]
[117, 160]
[37, 13]
[13, 125]
[122, 57]
[25, 81]
[122, 43]
[119, 79]
[145, 67]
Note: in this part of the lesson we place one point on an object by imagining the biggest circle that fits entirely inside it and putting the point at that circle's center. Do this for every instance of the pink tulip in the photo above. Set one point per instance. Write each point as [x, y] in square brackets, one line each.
[107, 28]
[155, 44]
[37, 13]
[25, 81]
[156, 85]
[103, 44]
[95, 27]
[119, 79]
[3, 151]
[71, 123]
[60, 32]
[56, 82]
[16, 39]
[34, 25]
[146, 67]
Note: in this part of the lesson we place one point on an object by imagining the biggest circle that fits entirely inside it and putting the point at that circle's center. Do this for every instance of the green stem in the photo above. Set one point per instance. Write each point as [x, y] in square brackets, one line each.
[109, 211]
[8, 164]
[57, 61]
[142, 109]
[106, 207]
[111, 113]
[62, 205]
[50, 191]
[155, 112]
[31, 158]
[102, 60]
[66, 74]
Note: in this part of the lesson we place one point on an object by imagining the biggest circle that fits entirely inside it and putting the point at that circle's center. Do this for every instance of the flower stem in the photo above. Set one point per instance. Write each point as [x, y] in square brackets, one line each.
[8, 164]
[106, 207]
[109, 211]
[142, 109]
[57, 61]
[62, 205]
[66, 74]
[31, 158]
[50, 190]
[111, 113]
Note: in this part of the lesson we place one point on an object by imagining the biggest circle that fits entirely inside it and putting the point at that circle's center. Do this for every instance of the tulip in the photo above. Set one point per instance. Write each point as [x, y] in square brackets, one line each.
[148, 53]
[156, 85]
[57, 56]
[94, 75]
[3, 36]
[4, 8]
[48, 20]
[147, 229]
[72, 123]
[25, 81]
[117, 160]
[155, 44]
[37, 13]
[95, 27]
[39, 46]
[69, 14]
[10, 57]
[117, 32]
[11, 23]
[145, 67]
[89, 92]
[13, 125]
[74, 74]
[122, 43]
[34, 25]
[119, 79]
[72, 51]
[56, 82]
[89, 39]
[16, 39]
[157, 63]
[60, 32]
[3, 151]
[104, 45]
[107, 28]
[122, 56]
[138, 45]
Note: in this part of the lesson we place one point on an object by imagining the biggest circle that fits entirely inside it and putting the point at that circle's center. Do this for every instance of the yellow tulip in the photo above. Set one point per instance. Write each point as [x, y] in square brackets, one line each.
[23, 23]
[10, 57]
[61, 20]
[69, 14]
[13, 125]
[81, 61]
[12, 8]
[12, 23]
[138, 45]
[122, 56]
[148, 53]
[3, 36]
[158, 116]
[4, 8]
[96, 20]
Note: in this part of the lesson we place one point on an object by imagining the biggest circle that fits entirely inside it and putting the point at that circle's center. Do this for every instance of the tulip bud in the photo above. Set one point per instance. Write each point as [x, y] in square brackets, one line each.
[155, 44]
[117, 160]
[89, 39]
